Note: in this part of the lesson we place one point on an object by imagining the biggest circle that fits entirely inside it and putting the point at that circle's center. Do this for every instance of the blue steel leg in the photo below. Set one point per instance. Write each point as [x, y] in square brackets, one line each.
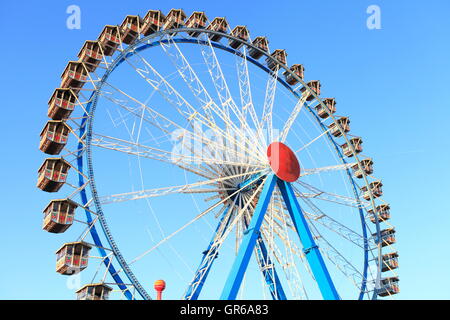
[310, 248]
[268, 269]
[269, 272]
[195, 287]
[248, 242]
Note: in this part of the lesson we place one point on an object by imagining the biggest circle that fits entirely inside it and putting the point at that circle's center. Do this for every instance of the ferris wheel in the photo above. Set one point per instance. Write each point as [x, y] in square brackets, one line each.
[185, 150]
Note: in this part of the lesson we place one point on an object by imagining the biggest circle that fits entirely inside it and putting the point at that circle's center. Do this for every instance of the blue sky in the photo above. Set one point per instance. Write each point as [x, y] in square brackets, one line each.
[392, 82]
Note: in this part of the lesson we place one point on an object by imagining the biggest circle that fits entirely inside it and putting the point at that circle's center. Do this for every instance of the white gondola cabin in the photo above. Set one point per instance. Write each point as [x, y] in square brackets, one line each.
[356, 143]
[152, 22]
[240, 32]
[175, 19]
[389, 286]
[389, 261]
[314, 85]
[383, 213]
[58, 215]
[219, 25]
[261, 43]
[109, 39]
[130, 29]
[54, 137]
[298, 70]
[91, 55]
[197, 20]
[74, 76]
[343, 123]
[52, 174]
[375, 189]
[280, 56]
[387, 237]
[72, 257]
[330, 104]
[94, 291]
[367, 168]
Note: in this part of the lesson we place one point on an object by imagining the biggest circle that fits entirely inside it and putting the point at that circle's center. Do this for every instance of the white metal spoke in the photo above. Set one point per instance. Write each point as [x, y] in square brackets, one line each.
[318, 216]
[156, 119]
[159, 154]
[333, 225]
[227, 101]
[245, 89]
[188, 188]
[190, 77]
[339, 167]
[188, 111]
[326, 196]
[269, 100]
[199, 216]
[341, 263]
[313, 140]
[293, 117]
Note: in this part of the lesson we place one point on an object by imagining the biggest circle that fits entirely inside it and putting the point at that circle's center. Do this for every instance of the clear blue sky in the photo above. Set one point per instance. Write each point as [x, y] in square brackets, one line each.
[393, 83]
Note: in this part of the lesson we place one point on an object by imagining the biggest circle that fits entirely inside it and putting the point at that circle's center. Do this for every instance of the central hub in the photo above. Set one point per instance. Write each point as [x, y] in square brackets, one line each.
[283, 162]
[247, 184]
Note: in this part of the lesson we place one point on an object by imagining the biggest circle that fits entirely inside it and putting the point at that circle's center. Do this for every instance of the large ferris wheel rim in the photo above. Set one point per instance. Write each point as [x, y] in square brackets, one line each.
[144, 43]
[131, 48]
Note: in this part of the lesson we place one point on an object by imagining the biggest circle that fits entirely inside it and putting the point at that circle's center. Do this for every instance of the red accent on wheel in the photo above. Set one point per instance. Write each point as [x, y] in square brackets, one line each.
[283, 162]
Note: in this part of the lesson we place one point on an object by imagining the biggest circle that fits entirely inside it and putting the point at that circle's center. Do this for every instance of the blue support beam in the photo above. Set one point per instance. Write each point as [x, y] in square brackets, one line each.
[211, 253]
[248, 243]
[310, 247]
[269, 272]
[268, 269]
[252, 238]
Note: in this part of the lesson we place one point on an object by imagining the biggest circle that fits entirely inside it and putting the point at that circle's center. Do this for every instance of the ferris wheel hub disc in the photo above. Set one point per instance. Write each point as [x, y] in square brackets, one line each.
[283, 162]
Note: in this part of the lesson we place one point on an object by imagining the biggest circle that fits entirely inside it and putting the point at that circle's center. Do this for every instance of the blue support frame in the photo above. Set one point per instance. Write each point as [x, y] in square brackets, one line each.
[193, 291]
[269, 272]
[248, 242]
[310, 247]
[268, 269]
[146, 43]
[251, 235]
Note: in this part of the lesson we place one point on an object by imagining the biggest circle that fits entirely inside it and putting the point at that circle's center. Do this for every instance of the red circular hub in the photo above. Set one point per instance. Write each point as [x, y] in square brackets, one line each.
[283, 162]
